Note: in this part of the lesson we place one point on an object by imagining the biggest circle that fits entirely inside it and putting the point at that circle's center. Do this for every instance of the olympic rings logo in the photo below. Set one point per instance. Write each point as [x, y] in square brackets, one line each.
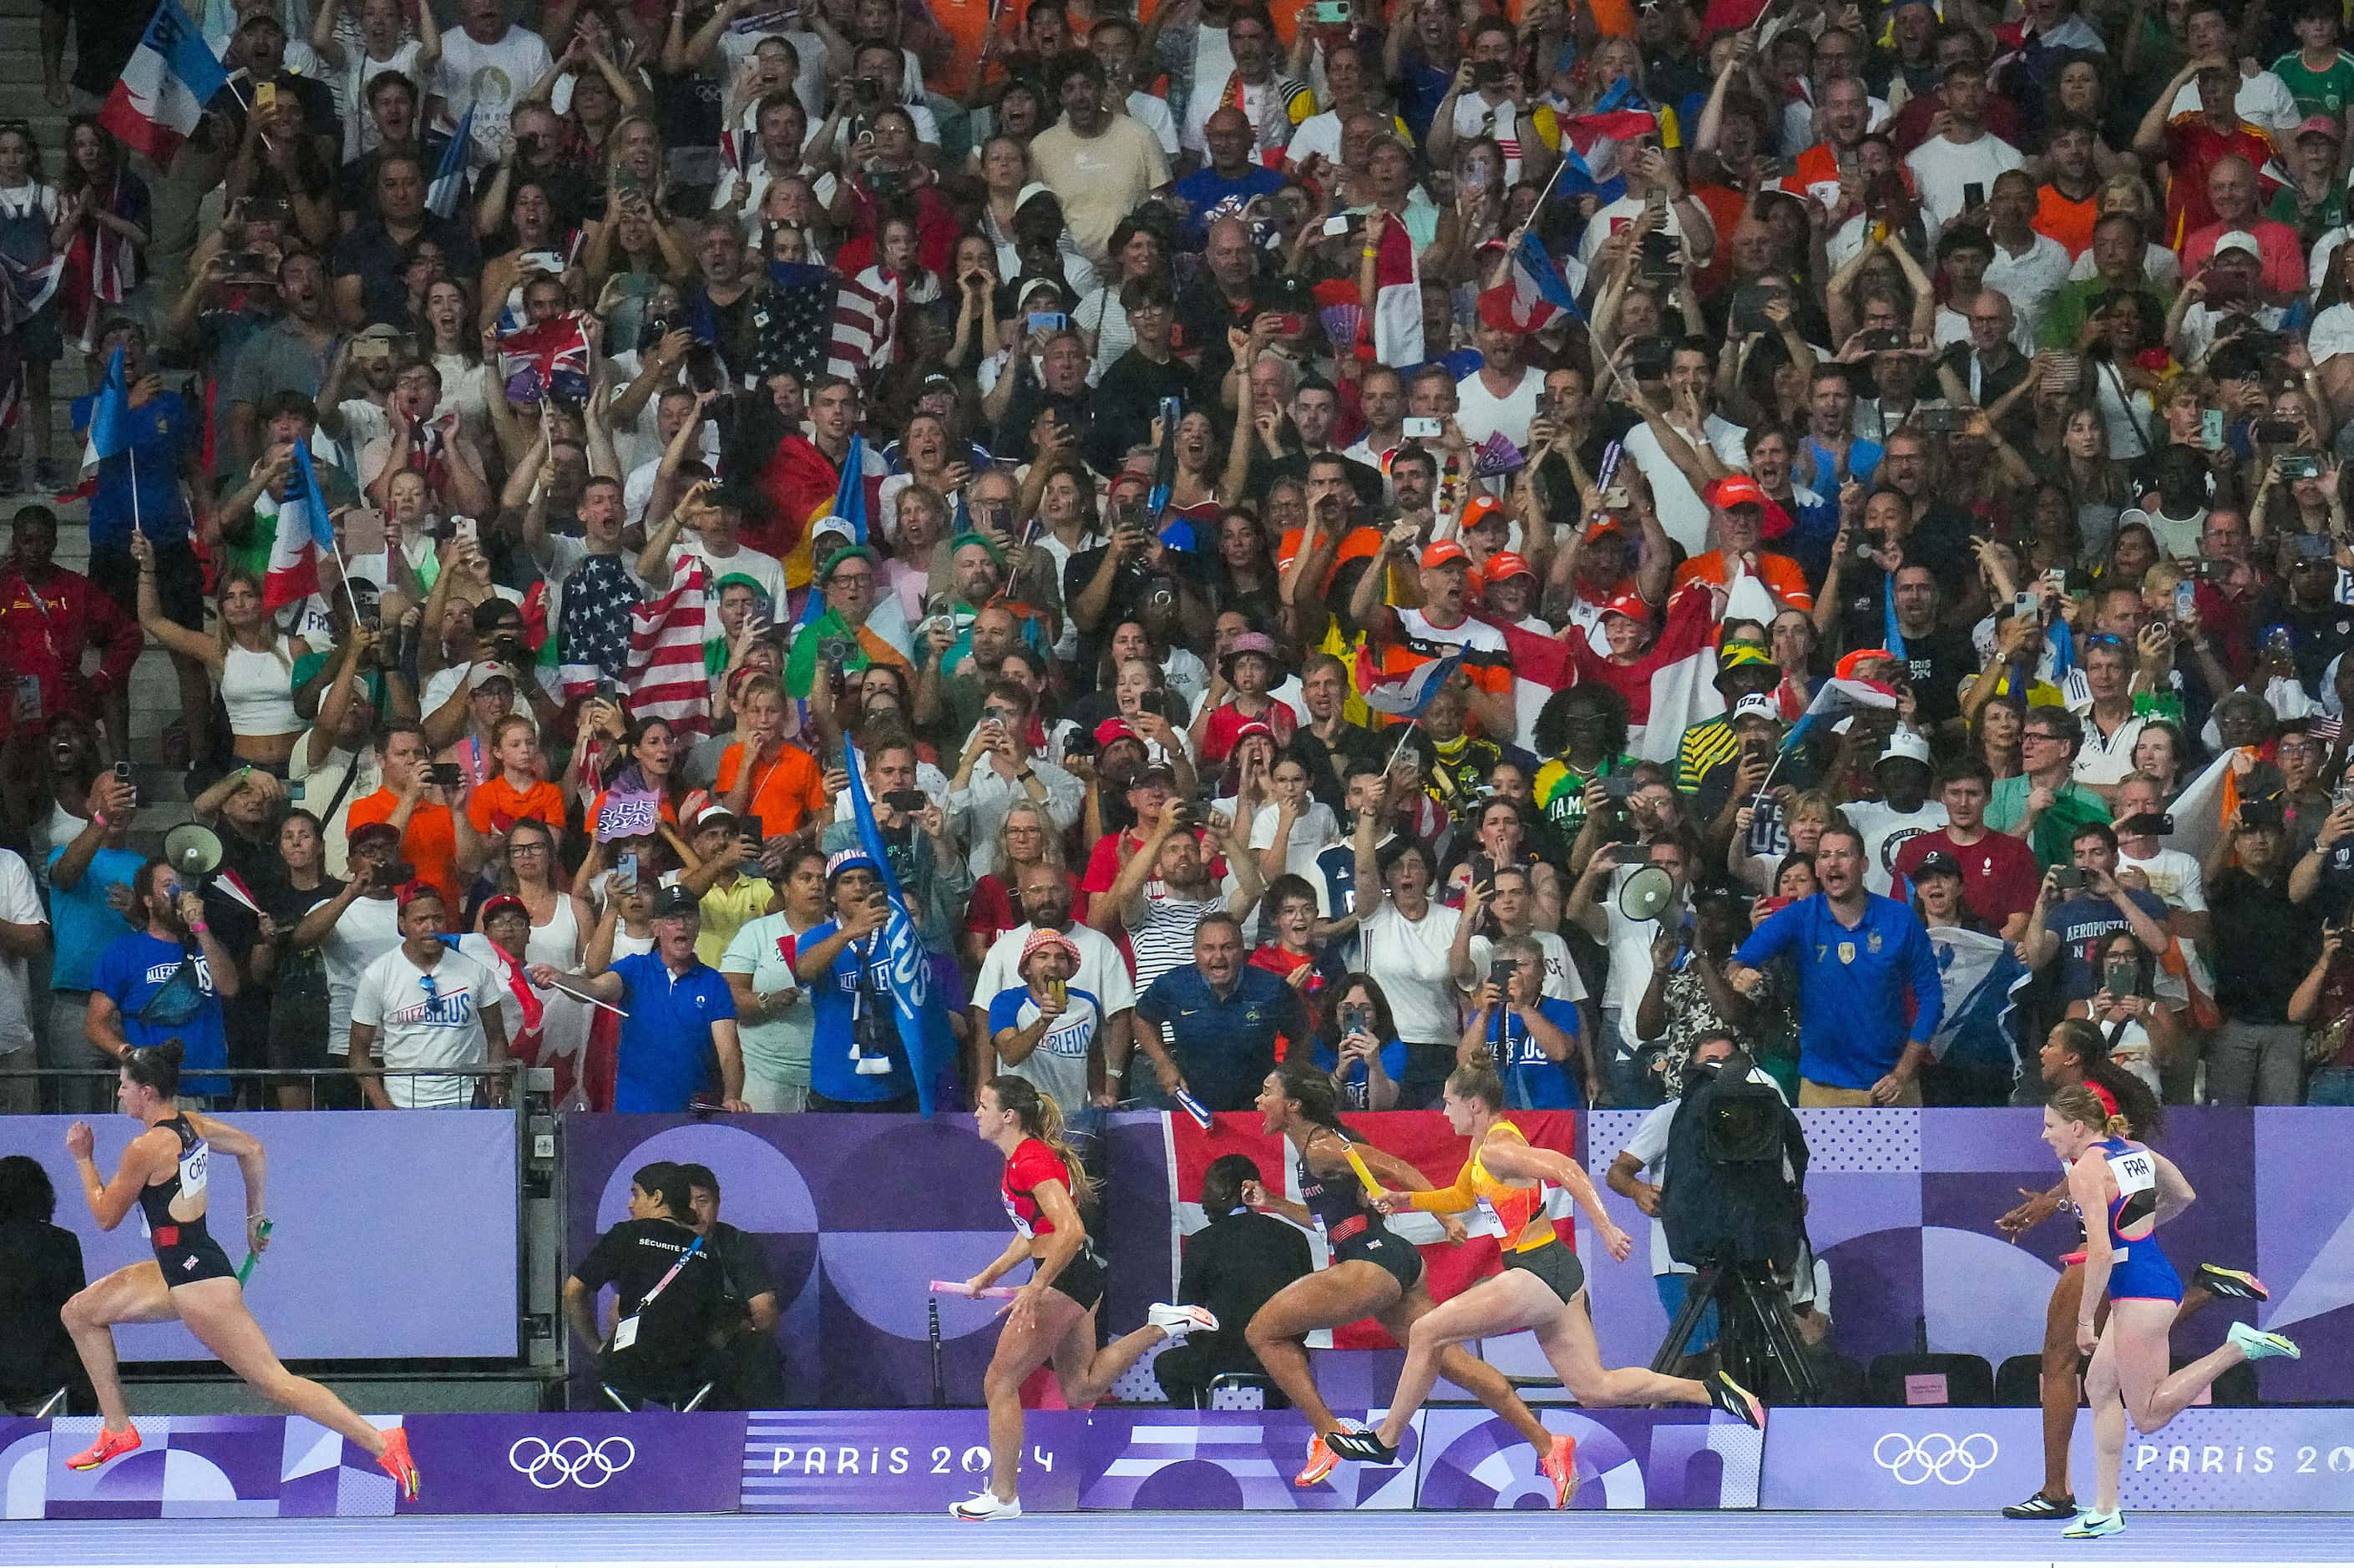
[550, 1465]
[1914, 1461]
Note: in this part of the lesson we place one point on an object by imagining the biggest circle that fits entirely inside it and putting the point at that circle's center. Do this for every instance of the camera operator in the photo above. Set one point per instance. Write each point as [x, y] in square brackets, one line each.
[1641, 1173]
[669, 1290]
[1857, 953]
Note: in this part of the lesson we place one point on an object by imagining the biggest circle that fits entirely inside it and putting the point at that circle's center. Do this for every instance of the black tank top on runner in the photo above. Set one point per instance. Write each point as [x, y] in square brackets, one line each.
[1337, 1203]
[184, 1248]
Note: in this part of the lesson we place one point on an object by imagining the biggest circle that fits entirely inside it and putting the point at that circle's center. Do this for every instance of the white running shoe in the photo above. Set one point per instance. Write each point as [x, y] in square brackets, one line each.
[2256, 1344]
[987, 1505]
[1179, 1321]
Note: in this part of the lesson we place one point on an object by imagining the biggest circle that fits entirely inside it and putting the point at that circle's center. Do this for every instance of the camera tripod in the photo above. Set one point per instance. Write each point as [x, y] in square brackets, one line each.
[1755, 1327]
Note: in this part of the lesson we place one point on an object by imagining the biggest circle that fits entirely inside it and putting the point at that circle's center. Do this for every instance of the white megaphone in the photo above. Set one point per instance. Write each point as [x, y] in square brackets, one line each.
[192, 849]
[1643, 895]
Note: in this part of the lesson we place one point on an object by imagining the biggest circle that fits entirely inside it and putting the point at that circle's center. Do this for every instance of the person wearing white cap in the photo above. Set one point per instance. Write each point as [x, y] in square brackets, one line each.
[2225, 295]
[1902, 812]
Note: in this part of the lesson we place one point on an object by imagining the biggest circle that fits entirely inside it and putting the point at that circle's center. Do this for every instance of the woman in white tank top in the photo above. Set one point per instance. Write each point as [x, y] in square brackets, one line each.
[559, 926]
[251, 664]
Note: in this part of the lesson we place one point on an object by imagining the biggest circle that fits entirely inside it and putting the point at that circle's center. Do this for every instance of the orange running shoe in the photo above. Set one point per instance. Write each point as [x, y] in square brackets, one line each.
[1560, 1465]
[109, 1446]
[395, 1462]
[1321, 1463]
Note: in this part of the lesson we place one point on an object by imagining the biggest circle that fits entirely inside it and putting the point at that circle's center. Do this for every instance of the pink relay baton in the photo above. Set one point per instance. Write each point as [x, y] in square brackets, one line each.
[956, 1287]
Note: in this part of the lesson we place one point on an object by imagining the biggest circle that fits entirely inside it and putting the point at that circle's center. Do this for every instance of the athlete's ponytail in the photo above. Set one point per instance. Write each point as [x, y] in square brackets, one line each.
[2080, 1102]
[1310, 1089]
[155, 1067]
[1042, 1118]
[1477, 1081]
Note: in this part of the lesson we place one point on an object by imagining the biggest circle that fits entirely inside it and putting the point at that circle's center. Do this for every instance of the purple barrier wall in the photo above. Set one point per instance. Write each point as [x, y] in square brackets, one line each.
[1902, 1206]
[2243, 1460]
[857, 1461]
[854, 1212]
[378, 1218]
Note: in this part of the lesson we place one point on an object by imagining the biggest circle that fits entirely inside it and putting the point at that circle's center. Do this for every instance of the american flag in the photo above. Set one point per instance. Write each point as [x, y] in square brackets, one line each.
[549, 354]
[668, 679]
[2325, 728]
[815, 321]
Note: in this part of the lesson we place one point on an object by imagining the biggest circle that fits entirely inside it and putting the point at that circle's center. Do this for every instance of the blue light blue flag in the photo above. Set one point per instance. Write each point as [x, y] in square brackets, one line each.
[923, 1027]
[449, 180]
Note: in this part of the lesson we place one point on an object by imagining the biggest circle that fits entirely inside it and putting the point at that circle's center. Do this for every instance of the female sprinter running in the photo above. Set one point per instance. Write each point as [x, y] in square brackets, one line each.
[2076, 1053]
[1052, 1317]
[1373, 1272]
[162, 1174]
[1542, 1288]
[2135, 1189]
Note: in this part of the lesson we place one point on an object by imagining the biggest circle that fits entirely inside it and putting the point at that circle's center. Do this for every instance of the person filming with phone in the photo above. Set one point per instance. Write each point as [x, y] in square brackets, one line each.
[2078, 906]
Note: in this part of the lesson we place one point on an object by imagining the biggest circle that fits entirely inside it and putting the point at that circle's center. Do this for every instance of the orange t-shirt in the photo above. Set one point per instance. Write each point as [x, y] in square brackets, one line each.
[430, 843]
[1780, 572]
[497, 805]
[2069, 222]
[786, 792]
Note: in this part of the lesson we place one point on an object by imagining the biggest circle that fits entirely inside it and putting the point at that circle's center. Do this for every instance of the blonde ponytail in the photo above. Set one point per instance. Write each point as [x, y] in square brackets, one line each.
[1042, 1118]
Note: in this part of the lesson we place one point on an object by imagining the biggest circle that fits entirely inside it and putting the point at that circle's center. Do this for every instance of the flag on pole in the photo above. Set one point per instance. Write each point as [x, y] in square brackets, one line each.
[923, 1026]
[441, 197]
[1591, 143]
[305, 536]
[1840, 697]
[1983, 978]
[1541, 666]
[1403, 694]
[110, 418]
[1398, 298]
[547, 355]
[165, 84]
[1531, 294]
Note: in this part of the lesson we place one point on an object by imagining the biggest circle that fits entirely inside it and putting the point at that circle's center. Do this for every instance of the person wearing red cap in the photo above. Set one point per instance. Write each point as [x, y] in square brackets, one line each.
[1510, 593]
[1740, 516]
[1408, 637]
[1635, 654]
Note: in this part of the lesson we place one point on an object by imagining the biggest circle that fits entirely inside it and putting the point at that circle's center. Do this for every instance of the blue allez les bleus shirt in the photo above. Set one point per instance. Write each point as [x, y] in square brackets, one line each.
[831, 1001]
[1852, 983]
[136, 970]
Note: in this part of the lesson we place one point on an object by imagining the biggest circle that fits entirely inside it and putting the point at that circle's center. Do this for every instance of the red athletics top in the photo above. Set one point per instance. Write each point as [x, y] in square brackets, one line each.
[1031, 1164]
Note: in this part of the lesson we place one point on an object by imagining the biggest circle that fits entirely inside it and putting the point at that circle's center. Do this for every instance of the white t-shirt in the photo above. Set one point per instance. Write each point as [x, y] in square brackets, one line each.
[1942, 166]
[1562, 982]
[1102, 972]
[1885, 831]
[2175, 876]
[488, 78]
[360, 133]
[2263, 99]
[2029, 281]
[1312, 832]
[758, 564]
[1619, 213]
[427, 1019]
[1152, 113]
[366, 930]
[20, 904]
[2160, 266]
[1682, 512]
[1476, 117]
[1411, 961]
[2202, 322]
[1480, 413]
[1629, 949]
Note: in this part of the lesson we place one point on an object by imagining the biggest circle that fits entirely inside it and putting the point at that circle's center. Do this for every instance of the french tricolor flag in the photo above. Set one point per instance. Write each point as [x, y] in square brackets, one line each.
[1531, 293]
[1402, 696]
[305, 535]
[165, 84]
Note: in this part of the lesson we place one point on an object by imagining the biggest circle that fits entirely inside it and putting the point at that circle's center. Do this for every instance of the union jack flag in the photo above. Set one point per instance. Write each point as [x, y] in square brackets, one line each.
[549, 357]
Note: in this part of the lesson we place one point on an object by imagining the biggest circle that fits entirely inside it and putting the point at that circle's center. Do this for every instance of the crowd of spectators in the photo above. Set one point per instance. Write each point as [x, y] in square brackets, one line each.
[1925, 535]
